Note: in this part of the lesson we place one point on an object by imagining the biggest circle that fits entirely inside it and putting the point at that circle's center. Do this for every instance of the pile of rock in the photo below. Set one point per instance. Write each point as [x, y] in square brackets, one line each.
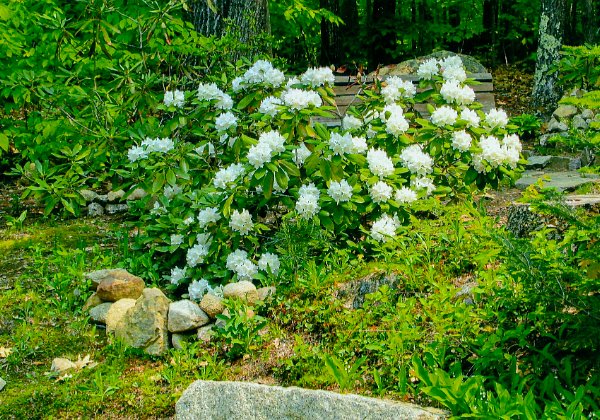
[111, 203]
[145, 318]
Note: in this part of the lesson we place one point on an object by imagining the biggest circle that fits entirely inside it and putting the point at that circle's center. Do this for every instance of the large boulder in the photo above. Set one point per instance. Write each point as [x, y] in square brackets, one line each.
[411, 66]
[116, 312]
[243, 290]
[243, 400]
[119, 284]
[99, 313]
[145, 325]
[185, 315]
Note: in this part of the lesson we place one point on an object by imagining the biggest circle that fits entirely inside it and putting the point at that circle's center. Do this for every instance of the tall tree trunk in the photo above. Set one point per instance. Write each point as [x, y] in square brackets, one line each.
[246, 19]
[546, 92]
[490, 27]
[330, 35]
[382, 25]
[591, 22]
[348, 33]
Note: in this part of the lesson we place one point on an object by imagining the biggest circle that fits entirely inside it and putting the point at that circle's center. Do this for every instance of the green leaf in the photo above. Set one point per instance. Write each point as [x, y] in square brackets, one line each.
[171, 178]
[325, 168]
[159, 181]
[282, 178]
[267, 184]
[4, 142]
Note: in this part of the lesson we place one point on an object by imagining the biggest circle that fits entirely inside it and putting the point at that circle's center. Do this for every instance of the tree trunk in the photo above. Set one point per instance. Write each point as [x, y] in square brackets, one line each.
[330, 34]
[490, 27]
[245, 19]
[591, 22]
[384, 38]
[546, 92]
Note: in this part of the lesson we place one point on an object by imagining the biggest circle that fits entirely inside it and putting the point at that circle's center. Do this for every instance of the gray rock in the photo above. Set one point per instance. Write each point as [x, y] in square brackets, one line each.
[212, 305]
[587, 114]
[565, 111]
[100, 312]
[2, 383]
[562, 181]
[555, 125]
[102, 198]
[558, 163]
[354, 292]
[243, 290]
[179, 340]
[88, 195]
[411, 66]
[137, 194]
[120, 284]
[97, 276]
[145, 325]
[185, 315]
[61, 364]
[537, 162]
[545, 138]
[116, 313]
[91, 302]
[95, 209]
[243, 400]
[116, 208]
[579, 123]
[115, 195]
[574, 164]
[206, 333]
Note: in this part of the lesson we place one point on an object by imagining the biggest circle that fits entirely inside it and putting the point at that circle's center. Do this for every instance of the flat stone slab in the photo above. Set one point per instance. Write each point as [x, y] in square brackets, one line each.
[538, 162]
[245, 400]
[562, 181]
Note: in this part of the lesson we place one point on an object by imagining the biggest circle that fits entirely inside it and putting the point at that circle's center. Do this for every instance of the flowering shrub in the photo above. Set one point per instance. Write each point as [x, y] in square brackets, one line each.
[240, 157]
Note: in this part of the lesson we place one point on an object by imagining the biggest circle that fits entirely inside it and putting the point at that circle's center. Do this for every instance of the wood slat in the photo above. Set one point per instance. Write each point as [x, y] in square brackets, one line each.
[354, 90]
[344, 80]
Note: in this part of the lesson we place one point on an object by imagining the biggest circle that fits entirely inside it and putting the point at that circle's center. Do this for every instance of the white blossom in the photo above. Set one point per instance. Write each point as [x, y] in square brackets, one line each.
[470, 116]
[423, 183]
[396, 88]
[405, 195]
[300, 154]
[359, 145]
[340, 144]
[384, 229]
[197, 289]
[428, 69]
[340, 191]
[298, 99]
[241, 222]
[225, 121]
[175, 98]
[208, 215]
[269, 261]
[496, 118]
[417, 161]
[379, 163]
[461, 140]
[177, 274]
[350, 122]
[308, 201]
[316, 77]
[228, 175]
[444, 115]
[136, 153]
[380, 192]
[176, 239]
[453, 92]
[270, 106]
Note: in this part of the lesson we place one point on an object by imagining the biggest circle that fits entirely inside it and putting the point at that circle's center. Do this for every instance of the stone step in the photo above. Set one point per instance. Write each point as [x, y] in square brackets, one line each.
[562, 181]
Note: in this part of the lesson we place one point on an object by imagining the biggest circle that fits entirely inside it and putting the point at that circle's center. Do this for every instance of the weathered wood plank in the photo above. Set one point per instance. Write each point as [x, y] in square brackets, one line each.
[356, 89]
[341, 80]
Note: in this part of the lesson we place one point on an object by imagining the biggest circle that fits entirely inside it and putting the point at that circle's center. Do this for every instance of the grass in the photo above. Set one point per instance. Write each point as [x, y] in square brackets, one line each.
[312, 338]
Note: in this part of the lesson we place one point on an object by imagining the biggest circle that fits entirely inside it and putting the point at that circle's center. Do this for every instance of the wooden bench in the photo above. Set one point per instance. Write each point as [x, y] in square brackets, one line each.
[346, 90]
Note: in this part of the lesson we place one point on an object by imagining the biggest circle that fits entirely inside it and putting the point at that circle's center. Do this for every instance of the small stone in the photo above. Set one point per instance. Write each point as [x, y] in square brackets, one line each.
[554, 126]
[587, 114]
[103, 198]
[537, 162]
[266, 292]
[95, 209]
[579, 123]
[206, 333]
[2, 383]
[144, 326]
[212, 305]
[88, 195]
[115, 195]
[100, 312]
[91, 302]
[178, 340]
[137, 194]
[565, 111]
[61, 365]
[117, 312]
[97, 276]
[185, 315]
[574, 164]
[119, 285]
[116, 208]
[243, 290]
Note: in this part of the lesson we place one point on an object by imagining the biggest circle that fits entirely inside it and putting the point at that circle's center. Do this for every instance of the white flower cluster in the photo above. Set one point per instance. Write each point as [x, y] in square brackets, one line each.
[461, 140]
[350, 122]
[207, 216]
[239, 263]
[225, 121]
[405, 195]
[379, 163]
[269, 144]
[269, 106]
[176, 239]
[341, 143]
[340, 191]
[175, 98]
[300, 154]
[316, 77]
[228, 175]
[395, 123]
[269, 261]
[470, 116]
[261, 73]
[196, 254]
[308, 201]
[148, 146]
[298, 99]
[384, 229]
[451, 68]
[496, 118]
[397, 88]
[380, 192]
[210, 92]
[417, 161]
[444, 115]
[177, 274]
[453, 92]
[497, 153]
[423, 183]
[172, 191]
[198, 288]
[241, 222]
[359, 145]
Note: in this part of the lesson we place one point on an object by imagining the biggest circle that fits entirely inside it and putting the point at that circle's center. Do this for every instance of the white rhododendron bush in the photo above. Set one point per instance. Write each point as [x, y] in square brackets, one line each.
[225, 164]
